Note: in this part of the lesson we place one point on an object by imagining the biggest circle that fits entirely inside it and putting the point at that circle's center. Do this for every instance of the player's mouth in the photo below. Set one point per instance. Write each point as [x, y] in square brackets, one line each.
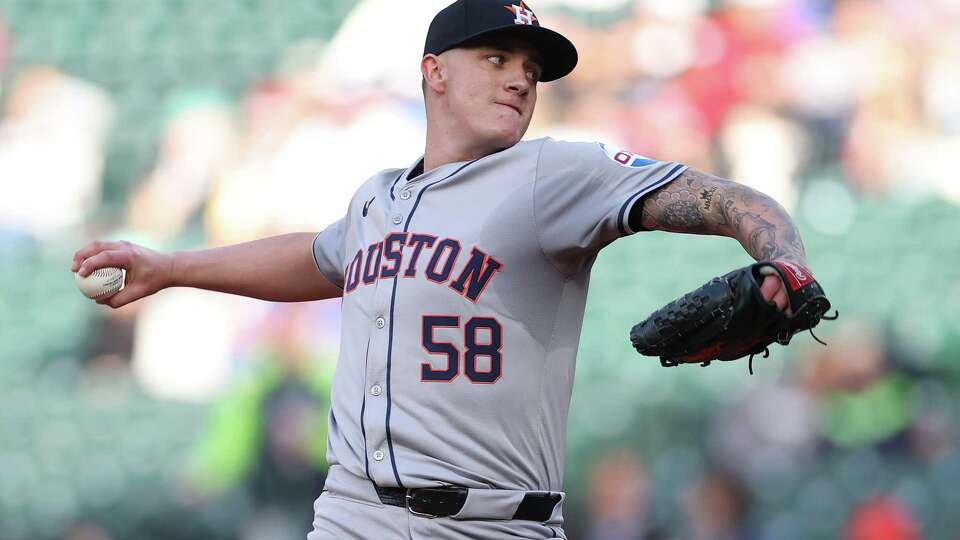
[513, 107]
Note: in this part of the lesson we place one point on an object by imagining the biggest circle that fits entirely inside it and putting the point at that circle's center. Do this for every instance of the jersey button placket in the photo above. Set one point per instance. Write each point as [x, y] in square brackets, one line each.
[375, 381]
[378, 400]
[376, 390]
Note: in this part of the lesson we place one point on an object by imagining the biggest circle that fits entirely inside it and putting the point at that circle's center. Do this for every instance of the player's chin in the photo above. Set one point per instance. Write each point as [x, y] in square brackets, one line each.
[509, 132]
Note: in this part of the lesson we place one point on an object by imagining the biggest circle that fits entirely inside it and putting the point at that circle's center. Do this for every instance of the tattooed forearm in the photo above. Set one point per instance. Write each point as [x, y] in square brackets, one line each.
[702, 204]
[762, 226]
[707, 197]
[684, 213]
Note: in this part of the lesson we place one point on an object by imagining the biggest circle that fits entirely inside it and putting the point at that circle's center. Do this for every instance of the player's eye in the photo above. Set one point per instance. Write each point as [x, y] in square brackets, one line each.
[533, 75]
[496, 59]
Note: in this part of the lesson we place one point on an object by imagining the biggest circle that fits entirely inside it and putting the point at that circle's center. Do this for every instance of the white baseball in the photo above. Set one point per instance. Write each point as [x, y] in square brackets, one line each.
[101, 283]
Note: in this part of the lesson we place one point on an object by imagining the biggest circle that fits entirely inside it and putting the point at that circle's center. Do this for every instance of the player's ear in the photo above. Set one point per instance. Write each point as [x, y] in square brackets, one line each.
[434, 73]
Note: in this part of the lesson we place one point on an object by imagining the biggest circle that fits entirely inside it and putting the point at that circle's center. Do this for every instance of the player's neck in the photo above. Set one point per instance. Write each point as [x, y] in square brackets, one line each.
[434, 156]
[444, 146]
[433, 159]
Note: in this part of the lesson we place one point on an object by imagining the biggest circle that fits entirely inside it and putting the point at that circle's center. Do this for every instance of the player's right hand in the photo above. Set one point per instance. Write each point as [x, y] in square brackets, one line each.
[147, 271]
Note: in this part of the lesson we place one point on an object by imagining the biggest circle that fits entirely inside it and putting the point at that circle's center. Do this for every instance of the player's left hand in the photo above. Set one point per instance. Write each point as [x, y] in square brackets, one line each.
[774, 292]
[726, 319]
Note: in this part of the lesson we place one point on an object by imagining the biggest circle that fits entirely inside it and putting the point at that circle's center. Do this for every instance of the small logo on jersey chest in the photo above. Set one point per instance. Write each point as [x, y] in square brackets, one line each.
[366, 206]
[524, 15]
[627, 159]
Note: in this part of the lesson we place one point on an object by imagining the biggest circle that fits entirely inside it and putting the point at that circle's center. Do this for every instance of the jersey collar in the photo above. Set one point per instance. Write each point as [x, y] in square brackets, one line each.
[414, 174]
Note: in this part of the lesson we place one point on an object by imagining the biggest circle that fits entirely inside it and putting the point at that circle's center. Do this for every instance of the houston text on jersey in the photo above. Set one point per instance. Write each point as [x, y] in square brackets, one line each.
[401, 253]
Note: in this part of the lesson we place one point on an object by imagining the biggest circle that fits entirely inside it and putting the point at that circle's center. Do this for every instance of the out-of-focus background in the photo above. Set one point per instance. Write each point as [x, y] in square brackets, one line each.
[181, 124]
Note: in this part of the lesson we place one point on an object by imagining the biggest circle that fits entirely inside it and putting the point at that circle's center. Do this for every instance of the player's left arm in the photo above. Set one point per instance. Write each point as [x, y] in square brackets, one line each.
[699, 203]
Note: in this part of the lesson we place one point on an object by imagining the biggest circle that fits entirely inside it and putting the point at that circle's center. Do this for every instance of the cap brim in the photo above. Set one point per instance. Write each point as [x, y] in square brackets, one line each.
[558, 54]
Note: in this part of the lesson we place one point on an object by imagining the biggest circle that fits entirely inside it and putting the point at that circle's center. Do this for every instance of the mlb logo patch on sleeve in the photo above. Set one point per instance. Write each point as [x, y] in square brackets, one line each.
[625, 158]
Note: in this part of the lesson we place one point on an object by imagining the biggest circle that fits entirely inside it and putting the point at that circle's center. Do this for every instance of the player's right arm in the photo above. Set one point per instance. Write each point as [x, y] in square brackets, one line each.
[279, 269]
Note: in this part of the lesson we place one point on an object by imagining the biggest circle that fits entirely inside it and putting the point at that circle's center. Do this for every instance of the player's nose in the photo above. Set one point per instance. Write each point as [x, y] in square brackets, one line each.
[517, 82]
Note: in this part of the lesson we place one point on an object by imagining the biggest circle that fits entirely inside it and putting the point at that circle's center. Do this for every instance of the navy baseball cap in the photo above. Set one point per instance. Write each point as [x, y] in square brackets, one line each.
[467, 20]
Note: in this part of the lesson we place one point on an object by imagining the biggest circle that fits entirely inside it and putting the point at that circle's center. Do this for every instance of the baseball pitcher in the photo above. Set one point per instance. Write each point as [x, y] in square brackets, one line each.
[463, 278]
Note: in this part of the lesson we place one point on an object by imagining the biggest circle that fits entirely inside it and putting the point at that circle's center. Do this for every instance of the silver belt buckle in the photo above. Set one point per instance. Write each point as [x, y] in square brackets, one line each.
[410, 509]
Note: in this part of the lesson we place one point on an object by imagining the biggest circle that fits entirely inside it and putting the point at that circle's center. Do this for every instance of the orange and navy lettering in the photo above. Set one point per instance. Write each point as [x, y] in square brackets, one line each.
[443, 256]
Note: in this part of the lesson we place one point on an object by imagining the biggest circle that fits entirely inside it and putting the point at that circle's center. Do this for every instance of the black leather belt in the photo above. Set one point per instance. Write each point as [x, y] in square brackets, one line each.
[448, 501]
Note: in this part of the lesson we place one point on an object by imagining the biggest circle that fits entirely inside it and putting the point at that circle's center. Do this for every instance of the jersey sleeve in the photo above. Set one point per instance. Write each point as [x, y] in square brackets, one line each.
[583, 195]
[328, 252]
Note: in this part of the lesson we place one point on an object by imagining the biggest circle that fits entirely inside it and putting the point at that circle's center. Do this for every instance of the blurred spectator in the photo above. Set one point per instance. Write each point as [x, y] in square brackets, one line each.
[776, 443]
[738, 52]
[303, 134]
[668, 125]
[882, 518]
[359, 63]
[198, 140]
[267, 434]
[184, 339]
[618, 495]
[896, 146]
[718, 508]
[51, 151]
[861, 400]
[763, 150]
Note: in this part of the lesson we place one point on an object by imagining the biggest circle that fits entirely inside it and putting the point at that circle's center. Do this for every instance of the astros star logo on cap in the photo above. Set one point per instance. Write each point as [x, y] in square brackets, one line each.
[524, 14]
[466, 22]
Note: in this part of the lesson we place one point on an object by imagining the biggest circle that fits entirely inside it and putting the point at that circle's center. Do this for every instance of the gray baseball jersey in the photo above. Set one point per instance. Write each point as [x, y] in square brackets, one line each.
[463, 299]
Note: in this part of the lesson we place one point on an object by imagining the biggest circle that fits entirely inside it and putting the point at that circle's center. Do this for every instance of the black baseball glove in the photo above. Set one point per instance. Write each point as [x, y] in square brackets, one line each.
[727, 318]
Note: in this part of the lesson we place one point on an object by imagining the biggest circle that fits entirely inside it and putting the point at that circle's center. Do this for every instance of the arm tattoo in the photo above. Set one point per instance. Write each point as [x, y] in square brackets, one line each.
[699, 203]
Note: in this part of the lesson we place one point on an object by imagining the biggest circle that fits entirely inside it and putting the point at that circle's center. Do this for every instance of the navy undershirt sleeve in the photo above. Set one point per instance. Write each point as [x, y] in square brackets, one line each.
[636, 215]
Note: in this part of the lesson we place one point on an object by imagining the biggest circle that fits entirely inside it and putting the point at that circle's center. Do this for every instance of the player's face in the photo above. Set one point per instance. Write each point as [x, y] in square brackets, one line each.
[492, 91]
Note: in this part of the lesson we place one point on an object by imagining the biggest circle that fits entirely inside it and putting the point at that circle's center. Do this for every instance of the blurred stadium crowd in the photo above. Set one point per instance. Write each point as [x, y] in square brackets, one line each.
[180, 124]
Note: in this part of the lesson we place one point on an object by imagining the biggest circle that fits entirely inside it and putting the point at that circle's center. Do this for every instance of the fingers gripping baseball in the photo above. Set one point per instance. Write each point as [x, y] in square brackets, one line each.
[104, 259]
[89, 250]
[146, 270]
